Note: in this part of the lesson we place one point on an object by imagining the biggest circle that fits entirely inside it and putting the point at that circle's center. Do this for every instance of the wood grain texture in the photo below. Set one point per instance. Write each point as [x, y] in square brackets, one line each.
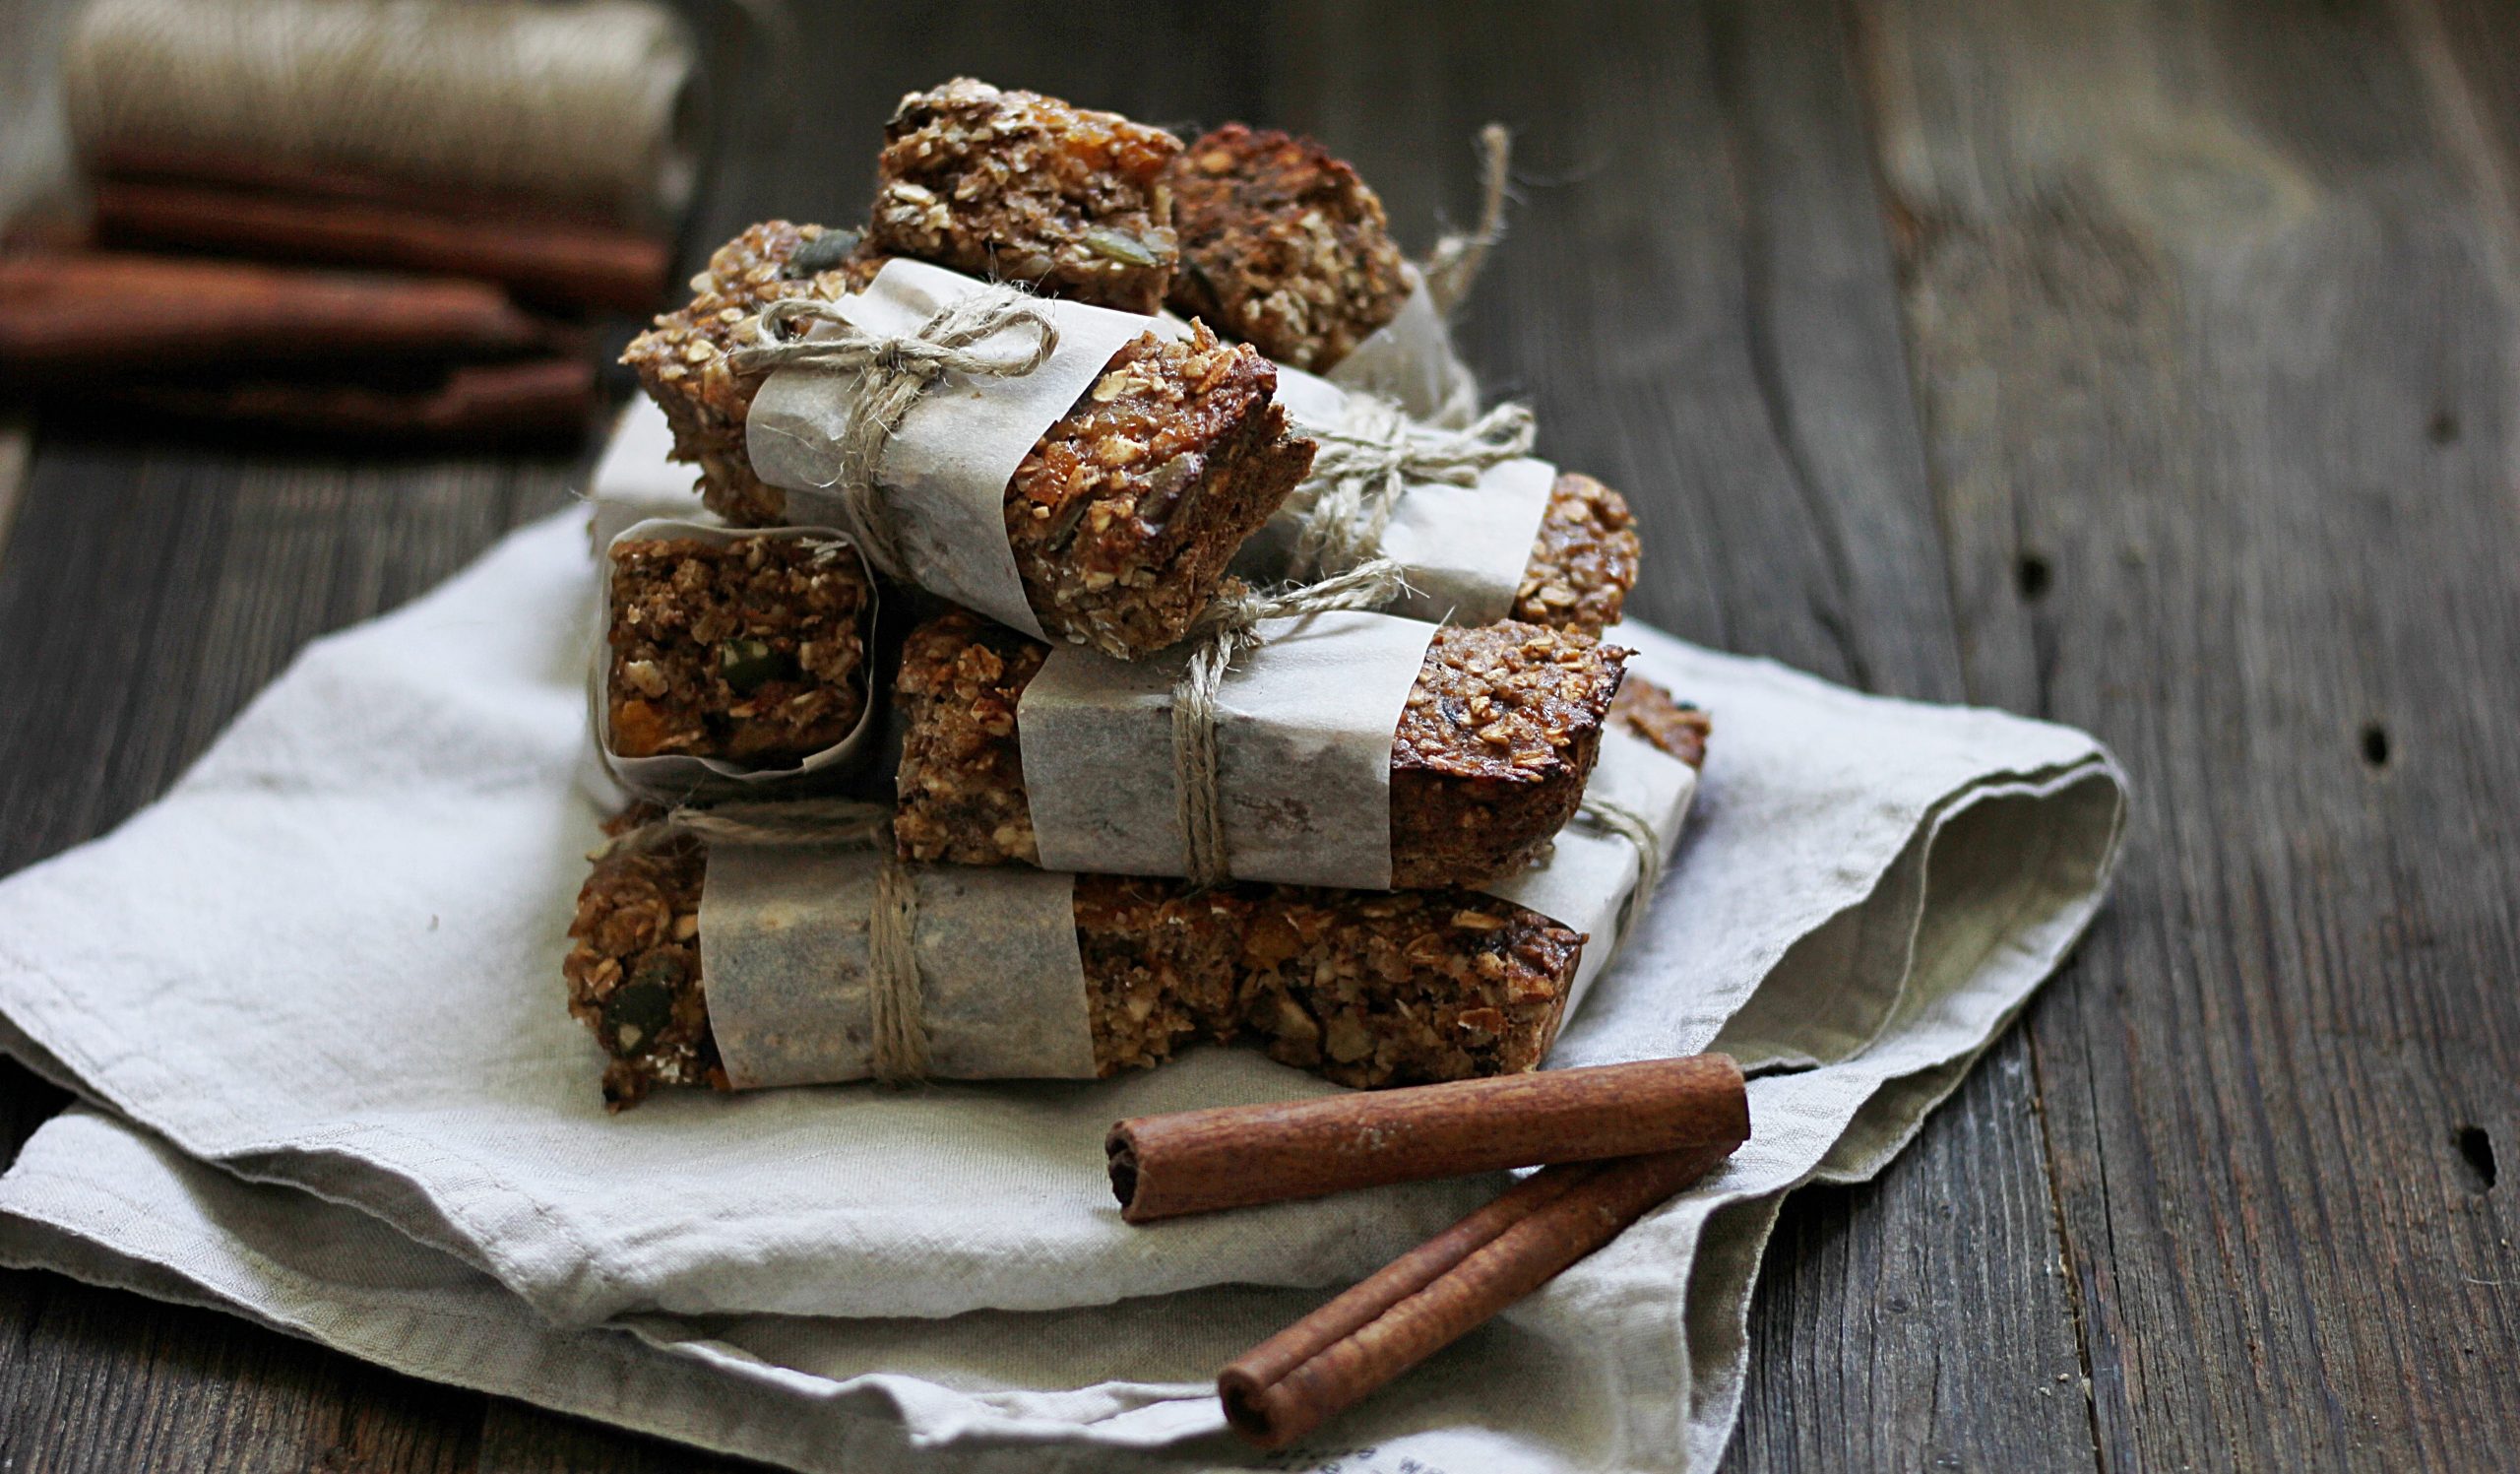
[2207, 327]
[2151, 368]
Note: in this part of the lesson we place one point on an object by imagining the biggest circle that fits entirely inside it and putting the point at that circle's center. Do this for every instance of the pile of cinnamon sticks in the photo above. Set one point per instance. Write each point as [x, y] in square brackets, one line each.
[1612, 1143]
[244, 293]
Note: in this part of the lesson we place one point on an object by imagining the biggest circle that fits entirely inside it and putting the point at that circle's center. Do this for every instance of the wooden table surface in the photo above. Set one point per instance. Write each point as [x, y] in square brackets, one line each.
[2153, 368]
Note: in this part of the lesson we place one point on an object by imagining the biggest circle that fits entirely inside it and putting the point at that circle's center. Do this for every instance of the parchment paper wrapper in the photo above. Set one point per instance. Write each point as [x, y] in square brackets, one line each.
[783, 947]
[673, 777]
[943, 473]
[637, 477]
[1589, 881]
[783, 944]
[1303, 740]
[1410, 360]
[1462, 548]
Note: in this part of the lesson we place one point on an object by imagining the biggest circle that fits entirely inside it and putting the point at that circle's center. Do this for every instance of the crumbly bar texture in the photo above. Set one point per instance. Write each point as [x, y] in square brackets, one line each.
[1126, 512]
[1494, 744]
[1283, 246]
[1583, 563]
[961, 780]
[1487, 763]
[752, 651]
[1019, 187]
[633, 967]
[1123, 515]
[682, 359]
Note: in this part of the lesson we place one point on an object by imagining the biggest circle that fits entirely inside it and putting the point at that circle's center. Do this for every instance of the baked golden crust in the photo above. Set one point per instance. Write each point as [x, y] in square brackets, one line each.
[1019, 187]
[1283, 246]
[1584, 560]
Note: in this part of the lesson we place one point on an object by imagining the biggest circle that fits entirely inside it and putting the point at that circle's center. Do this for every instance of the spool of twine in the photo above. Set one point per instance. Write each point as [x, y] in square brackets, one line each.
[590, 106]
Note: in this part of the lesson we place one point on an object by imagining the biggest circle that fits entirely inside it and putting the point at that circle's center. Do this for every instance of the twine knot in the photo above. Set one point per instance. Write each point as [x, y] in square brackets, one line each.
[889, 372]
[1373, 456]
[1225, 632]
[896, 996]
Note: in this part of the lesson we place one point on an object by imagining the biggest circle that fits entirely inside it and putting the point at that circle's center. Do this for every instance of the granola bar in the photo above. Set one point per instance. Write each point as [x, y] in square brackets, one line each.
[1584, 559]
[752, 650]
[1365, 988]
[1123, 516]
[1282, 245]
[1019, 187]
[1488, 760]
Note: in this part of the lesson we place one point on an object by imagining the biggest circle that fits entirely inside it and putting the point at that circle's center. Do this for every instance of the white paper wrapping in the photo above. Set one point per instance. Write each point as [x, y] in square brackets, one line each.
[783, 949]
[1304, 766]
[943, 472]
[1462, 548]
[673, 777]
[1410, 360]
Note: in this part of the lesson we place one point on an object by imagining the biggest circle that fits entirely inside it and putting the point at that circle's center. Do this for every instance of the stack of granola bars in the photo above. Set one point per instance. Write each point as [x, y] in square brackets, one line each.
[990, 483]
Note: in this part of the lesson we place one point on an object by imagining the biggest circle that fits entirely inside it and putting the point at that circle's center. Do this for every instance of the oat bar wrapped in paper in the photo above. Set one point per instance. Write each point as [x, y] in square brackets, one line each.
[735, 965]
[732, 661]
[1078, 472]
[1350, 749]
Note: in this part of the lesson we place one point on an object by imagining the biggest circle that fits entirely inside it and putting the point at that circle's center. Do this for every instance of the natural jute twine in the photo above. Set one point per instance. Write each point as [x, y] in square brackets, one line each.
[887, 374]
[1453, 266]
[591, 106]
[895, 995]
[1371, 458]
[1228, 628]
[1625, 822]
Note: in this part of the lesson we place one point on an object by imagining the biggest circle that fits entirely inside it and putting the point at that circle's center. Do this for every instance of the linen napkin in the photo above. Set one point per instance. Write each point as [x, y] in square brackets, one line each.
[314, 995]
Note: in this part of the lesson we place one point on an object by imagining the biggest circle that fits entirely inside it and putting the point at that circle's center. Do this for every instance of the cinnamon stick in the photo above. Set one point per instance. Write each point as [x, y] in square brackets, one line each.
[553, 261]
[1422, 1302]
[1234, 1156]
[530, 401]
[104, 312]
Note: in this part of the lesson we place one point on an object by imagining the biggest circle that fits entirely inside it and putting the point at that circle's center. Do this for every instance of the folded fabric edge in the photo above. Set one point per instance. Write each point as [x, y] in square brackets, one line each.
[81, 1227]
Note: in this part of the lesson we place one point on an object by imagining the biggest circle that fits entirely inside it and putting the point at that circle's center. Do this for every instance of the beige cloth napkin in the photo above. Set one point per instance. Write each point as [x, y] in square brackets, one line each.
[313, 994]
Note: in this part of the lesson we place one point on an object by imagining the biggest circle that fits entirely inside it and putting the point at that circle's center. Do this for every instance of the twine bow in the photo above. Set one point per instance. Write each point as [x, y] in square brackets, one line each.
[888, 375]
[1373, 456]
[1228, 628]
[895, 995]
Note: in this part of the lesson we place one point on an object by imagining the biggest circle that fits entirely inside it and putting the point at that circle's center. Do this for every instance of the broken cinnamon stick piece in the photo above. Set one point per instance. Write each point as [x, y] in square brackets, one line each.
[1422, 1302]
[1234, 1156]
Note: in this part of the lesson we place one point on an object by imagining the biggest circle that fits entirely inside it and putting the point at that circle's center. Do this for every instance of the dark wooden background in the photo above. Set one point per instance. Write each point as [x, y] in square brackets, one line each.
[2151, 367]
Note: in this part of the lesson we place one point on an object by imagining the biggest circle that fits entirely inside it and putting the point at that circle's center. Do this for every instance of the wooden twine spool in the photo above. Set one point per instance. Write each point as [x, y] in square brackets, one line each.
[590, 107]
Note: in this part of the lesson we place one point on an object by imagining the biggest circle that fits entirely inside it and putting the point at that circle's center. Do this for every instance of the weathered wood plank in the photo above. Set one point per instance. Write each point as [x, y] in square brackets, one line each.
[1697, 297]
[2208, 330]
